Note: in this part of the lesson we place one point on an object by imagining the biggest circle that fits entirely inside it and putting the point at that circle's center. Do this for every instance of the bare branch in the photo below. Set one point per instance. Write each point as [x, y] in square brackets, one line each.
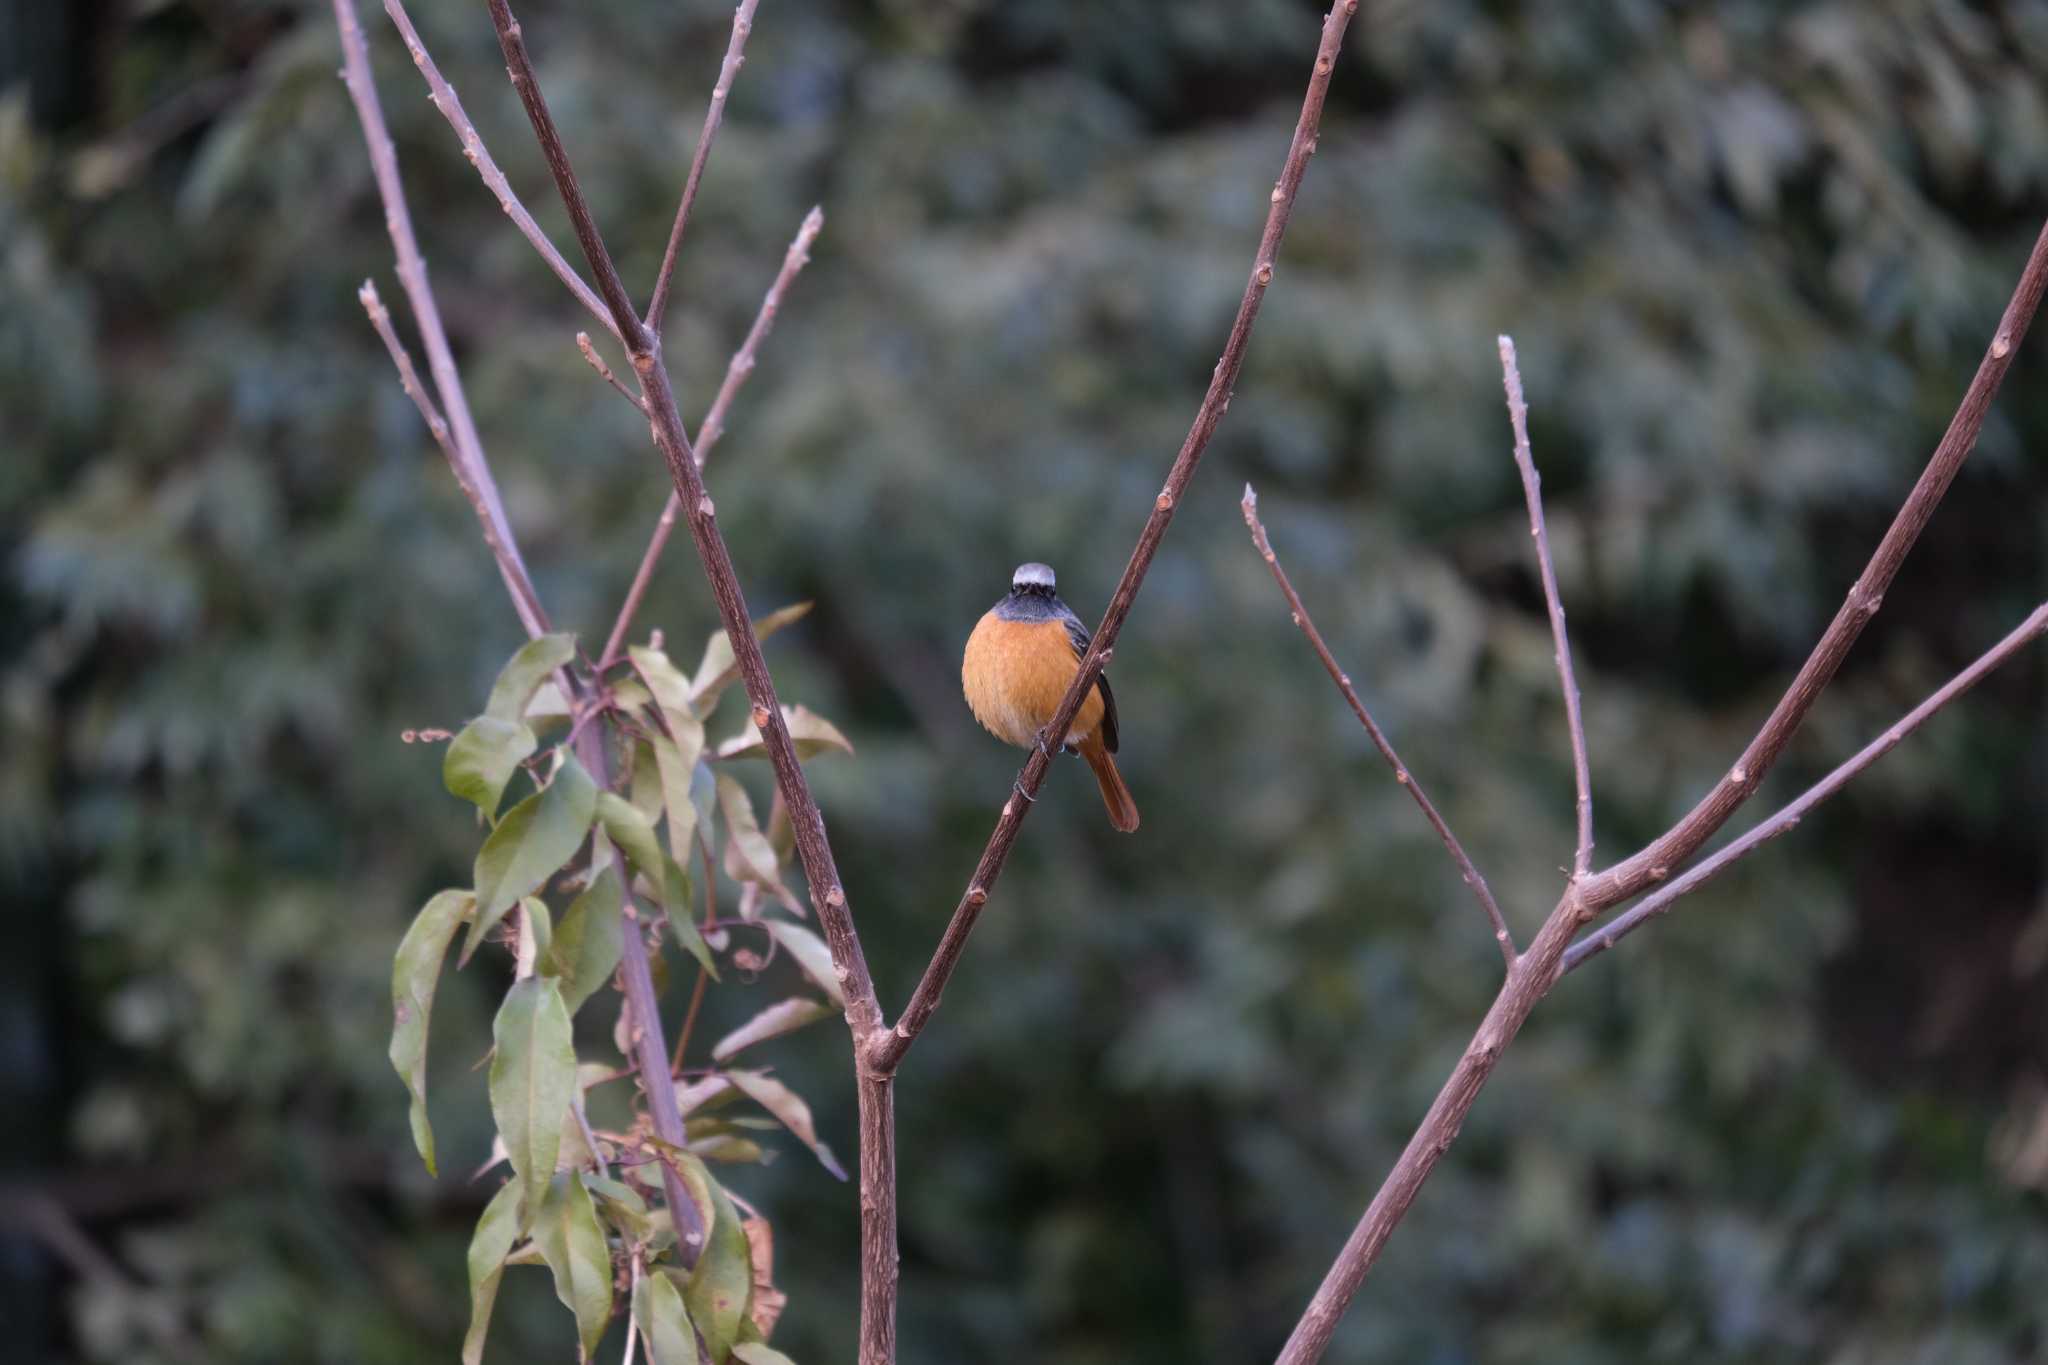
[742, 25]
[1866, 594]
[1402, 775]
[1546, 567]
[472, 470]
[604, 371]
[1541, 964]
[409, 380]
[889, 1054]
[1785, 820]
[736, 372]
[442, 96]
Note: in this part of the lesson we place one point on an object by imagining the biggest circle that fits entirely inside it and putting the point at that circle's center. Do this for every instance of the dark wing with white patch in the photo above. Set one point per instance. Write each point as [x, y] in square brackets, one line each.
[1078, 637]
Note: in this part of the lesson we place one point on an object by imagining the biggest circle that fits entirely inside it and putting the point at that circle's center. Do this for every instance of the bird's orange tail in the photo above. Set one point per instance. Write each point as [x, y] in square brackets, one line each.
[1123, 811]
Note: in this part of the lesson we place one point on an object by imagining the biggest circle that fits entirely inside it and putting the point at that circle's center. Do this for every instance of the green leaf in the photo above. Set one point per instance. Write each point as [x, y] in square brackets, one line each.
[719, 1288]
[495, 1232]
[696, 1178]
[482, 759]
[759, 1353]
[624, 1207]
[539, 924]
[675, 767]
[572, 1240]
[525, 671]
[415, 974]
[671, 692]
[529, 845]
[643, 784]
[811, 954]
[634, 834]
[788, 1106]
[533, 1080]
[692, 941]
[749, 855]
[659, 1313]
[720, 666]
[589, 939]
[810, 732]
[785, 1016]
[731, 1148]
[710, 1092]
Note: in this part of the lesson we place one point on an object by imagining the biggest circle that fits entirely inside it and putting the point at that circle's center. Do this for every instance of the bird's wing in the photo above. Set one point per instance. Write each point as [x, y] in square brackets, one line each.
[1078, 637]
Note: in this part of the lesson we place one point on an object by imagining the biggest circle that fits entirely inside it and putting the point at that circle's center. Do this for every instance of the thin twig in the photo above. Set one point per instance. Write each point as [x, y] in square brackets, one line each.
[442, 96]
[633, 1325]
[1250, 507]
[409, 380]
[1215, 402]
[872, 1088]
[1539, 966]
[1661, 901]
[604, 372]
[473, 471]
[742, 25]
[675, 1064]
[1866, 594]
[736, 372]
[1546, 568]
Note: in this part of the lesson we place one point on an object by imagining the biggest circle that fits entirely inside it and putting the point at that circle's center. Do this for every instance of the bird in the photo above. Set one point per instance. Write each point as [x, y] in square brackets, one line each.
[1019, 662]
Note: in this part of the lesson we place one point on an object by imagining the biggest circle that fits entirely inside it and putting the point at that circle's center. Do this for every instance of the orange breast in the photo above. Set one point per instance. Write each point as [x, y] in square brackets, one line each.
[1015, 673]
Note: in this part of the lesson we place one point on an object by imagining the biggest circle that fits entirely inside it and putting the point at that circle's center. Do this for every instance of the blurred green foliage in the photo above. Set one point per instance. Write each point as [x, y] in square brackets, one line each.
[1750, 253]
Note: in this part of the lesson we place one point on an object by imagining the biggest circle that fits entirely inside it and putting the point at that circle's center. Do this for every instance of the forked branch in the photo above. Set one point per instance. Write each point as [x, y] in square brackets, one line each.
[442, 95]
[1539, 967]
[1670, 850]
[472, 471]
[1480, 891]
[1785, 820]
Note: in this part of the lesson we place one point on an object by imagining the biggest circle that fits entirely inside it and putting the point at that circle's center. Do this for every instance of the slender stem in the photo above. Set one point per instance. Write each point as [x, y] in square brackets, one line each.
[1250, 507]
[604, 371]
[409, 380]
[1546, 567]
[889, 1054]
[1683, 839]
[1527, 981]
[736, 371]
[1539, 967]
[742, 25]
[710, 922]
[442, 96]
[1661, 901]
[863, 1011]
[632, 1326]
[472, 470]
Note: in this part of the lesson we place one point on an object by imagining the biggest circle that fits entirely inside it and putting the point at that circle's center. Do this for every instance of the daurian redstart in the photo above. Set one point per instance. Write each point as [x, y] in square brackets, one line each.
[1020, 661]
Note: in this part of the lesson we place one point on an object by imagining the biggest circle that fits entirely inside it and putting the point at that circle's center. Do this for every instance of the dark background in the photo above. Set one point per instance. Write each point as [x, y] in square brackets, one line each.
[1750, 252]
